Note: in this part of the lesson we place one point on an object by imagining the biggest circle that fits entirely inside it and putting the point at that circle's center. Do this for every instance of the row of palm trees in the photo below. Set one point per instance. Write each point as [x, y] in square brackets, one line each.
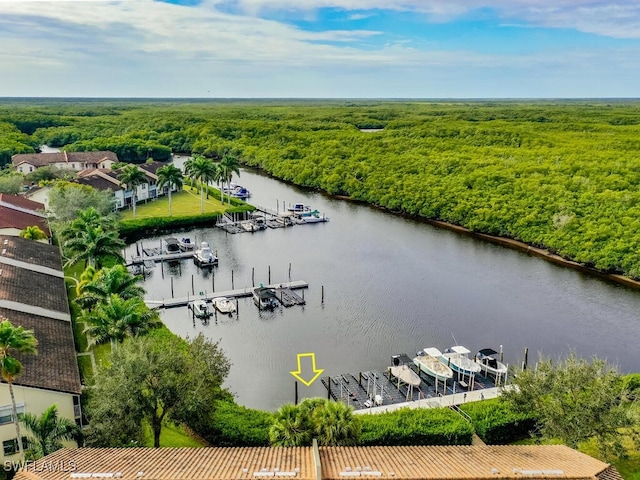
[199, 169]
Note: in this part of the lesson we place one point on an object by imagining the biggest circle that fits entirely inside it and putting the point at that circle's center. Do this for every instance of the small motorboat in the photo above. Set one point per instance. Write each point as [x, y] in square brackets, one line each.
[265, 298]
[249, 226]
[204, 257]
[457, 358]
[428, 361]
[240, 192]
[185, 244]
[489, 364]
[200, 309]
[224, 305]
[172, 245]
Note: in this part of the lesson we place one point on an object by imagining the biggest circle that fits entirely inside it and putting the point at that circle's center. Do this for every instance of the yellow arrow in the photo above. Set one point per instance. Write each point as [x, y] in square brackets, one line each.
[317, 371]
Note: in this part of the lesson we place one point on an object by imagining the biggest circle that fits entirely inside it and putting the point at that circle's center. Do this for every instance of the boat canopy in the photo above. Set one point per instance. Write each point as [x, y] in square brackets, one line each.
[434, 352]
[488, 352]
[460, 350]
[171, 241]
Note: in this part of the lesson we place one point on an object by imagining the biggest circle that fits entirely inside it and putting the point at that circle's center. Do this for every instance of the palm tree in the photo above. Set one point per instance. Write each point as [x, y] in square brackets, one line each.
[291, 427]
[93, 245]
[132, 176]
[14, 339]
[335, 424]
[118, 318]
[33, 233]
[169, 176]
[202, 170]
[96, 287]
[85, 219]
[48, 431]
[228, 166]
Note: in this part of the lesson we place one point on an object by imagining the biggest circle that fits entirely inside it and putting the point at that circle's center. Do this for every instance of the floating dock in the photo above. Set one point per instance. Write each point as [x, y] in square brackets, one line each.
[381, 390]
[163, 257]
[288, 297]
[239, 293]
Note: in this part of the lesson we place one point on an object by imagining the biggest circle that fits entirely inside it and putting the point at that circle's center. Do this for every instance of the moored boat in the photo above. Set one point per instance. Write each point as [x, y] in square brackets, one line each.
[204, 257]
[223, 305]
[457, 359]
[200, 309]
[489, 364]
[171, 245]
[185, 244]
[428, 362]
[265, 298]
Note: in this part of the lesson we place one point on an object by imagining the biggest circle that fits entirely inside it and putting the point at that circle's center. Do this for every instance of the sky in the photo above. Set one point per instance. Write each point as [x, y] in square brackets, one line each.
[320, 48]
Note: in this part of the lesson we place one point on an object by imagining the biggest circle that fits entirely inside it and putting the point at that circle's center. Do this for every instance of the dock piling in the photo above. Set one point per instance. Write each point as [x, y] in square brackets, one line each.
[296, 394]
[232, 280]
[289, 271]
[526, 358]
[162, 269]
[171, 287]
[213, 281]
[322, 299]
[269, 273]
[253, 281]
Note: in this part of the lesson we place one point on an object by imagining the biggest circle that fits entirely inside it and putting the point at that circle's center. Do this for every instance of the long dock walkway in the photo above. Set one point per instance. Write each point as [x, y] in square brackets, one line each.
[238, 293]
[137, 260]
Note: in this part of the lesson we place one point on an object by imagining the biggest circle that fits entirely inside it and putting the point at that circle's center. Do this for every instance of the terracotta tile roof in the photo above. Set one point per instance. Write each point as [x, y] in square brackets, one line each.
[182, 463]
[33, 289]
[21, 202]
[29, 251]
[416, 463]
[10, 218]
[152, 168]
[100, 179]
[44, 159]
[55, 367]
[459, 462]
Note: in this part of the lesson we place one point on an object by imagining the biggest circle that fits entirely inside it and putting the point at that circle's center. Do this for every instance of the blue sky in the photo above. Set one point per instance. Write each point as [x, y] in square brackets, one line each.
[321, 48]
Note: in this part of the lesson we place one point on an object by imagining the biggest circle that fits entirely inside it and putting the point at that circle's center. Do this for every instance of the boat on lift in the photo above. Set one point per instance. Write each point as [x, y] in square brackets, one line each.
[204, 257]
[457, 358]
[185, 244]
[200, 309]
[489, 364]
[265, 298]
[428, 361]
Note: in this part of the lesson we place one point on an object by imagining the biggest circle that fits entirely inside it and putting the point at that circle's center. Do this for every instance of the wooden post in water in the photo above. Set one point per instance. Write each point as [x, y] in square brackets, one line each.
[296, 395]
[526, 358]
[289, 271]
[162, 269]
[322, 301]
[269, 274]
[193, 290]
[232, 288]
[213, 281]
[253, 280]
[180, 268]
[360, 378]
[171, 287]
[329, 388]
[237, 307]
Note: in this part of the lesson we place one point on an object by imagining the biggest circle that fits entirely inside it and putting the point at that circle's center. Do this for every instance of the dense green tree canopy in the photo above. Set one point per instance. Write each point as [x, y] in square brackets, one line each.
[561, 175]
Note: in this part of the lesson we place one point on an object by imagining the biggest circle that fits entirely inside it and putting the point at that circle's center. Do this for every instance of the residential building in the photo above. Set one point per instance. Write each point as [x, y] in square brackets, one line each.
[33, 295]
[18, 213]
[533, 462]
[28, 162]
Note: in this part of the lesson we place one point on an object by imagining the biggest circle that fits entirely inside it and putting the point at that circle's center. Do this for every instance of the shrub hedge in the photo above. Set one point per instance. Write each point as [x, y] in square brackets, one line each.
[498, 424]
[233, 425]
[432, 426]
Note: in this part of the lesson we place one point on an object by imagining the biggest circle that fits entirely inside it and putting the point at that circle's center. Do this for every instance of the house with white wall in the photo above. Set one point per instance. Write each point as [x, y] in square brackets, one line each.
[28, 162]
[33, 295]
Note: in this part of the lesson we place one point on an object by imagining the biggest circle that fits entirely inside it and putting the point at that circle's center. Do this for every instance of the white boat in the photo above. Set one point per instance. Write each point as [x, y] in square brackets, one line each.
[260, 222]
[265, 298]
[224, 305]
[200, 309]
[249, 226]
[185, 244]
[204, 257]
[312, 217]
[489, 364]
[428, 362]
[457, 358]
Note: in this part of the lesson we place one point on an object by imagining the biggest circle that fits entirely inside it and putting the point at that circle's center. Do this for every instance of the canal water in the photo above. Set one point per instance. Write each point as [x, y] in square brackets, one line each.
[391, 285]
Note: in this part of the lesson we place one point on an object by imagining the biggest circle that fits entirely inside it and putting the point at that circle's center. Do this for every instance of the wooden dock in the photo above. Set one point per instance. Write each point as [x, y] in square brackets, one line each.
[166, 257]
[288, 297]
[376, 389]
[239, 293]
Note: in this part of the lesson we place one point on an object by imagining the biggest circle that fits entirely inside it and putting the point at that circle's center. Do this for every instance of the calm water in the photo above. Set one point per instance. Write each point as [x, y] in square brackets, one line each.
[391, 285]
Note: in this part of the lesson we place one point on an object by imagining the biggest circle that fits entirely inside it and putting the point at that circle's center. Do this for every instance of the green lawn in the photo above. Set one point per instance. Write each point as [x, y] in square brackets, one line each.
[170, 436]
[183, 203]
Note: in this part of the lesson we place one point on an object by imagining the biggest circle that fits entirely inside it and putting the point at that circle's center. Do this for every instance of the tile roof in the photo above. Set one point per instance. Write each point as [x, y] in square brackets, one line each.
[44, 159]
[533, 462]
[459, 462]
[100, 179]
[152, 167]
[55, 367]
[21, 202]
[29, 251]
[33, 289]
[182, 463]
[10, 218]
